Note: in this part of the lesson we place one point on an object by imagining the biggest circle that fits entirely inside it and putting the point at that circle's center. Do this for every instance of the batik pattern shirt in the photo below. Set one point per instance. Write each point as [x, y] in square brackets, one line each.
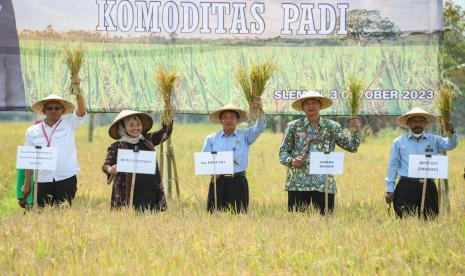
[300, 140]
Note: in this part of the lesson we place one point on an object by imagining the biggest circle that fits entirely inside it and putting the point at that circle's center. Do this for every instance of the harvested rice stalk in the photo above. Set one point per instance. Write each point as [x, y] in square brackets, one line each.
[356, 90]
[254, 85]
[74, 59]
[166, 82]
[241, 77]
[443, 103]
[444, 106]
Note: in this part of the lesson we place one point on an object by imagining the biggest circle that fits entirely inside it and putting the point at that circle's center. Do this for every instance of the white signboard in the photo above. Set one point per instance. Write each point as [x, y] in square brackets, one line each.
[331, 163]
[420, 166]
[32, 158]
[207, 163]
[136, 162]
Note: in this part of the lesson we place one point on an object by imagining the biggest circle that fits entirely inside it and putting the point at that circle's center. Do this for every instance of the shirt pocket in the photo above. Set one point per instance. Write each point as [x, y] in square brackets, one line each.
[39, 141]
[239, 151]
[60, 133]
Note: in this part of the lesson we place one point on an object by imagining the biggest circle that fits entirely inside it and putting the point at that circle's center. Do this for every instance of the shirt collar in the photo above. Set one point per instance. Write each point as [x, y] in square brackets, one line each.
[224, 134]
[46, 125]
[307, 122]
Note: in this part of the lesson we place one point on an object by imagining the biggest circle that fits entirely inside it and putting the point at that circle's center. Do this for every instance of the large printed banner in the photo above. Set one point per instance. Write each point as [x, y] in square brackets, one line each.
[392, 45]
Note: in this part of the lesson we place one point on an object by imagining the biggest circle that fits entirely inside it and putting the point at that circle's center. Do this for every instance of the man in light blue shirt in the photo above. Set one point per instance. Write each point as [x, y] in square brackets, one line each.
[232, 190]
[408, 192]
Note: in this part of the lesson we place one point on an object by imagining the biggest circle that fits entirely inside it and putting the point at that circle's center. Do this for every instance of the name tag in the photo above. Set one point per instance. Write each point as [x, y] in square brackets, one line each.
[31, 158]
[207, 163]
[330, 163]
[420, 166]
[143, 161]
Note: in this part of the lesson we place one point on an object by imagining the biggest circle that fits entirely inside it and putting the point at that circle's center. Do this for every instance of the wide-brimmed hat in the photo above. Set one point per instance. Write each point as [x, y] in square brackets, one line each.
[38, 107]
[402, 120]
[215, 116]
[325, 102]
[145, 119]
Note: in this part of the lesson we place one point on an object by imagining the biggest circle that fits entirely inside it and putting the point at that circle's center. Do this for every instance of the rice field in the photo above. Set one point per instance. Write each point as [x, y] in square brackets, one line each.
[360, 238]
[121, 75]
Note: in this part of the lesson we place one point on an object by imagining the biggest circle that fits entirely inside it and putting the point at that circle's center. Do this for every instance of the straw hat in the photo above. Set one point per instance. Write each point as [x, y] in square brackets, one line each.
[402, 120]
[38, 107]
[145, 119]
[325, 102]
[215, 116]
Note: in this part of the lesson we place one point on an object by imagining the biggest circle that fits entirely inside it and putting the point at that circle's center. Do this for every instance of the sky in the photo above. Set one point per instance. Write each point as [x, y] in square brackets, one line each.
[67, 15]
[460, 2]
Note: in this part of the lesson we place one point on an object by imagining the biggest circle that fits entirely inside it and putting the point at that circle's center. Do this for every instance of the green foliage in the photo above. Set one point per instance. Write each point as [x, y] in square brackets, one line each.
[454, 57]
[454, 40]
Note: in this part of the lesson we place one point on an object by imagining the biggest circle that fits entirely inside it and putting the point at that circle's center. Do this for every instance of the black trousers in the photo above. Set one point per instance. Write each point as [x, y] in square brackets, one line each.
[56, 192]
[407, 198]
[232, 194]
[299, 201]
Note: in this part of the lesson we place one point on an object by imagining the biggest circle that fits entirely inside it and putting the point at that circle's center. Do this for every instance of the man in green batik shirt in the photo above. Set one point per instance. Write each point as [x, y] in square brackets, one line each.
[312, 133]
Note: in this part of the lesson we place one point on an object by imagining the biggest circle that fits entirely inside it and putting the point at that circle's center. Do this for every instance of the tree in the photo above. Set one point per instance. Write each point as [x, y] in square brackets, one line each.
[173, 37]
[454, 57]
[365, 24]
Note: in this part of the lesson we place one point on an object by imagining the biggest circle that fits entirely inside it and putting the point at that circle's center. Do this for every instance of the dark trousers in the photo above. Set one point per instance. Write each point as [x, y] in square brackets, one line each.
[299, 201]
[407, 198]
[232, 194]
[56, 192]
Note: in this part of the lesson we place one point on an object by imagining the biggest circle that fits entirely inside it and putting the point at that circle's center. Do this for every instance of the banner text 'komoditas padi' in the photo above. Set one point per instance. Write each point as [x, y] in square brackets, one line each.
[393, 46]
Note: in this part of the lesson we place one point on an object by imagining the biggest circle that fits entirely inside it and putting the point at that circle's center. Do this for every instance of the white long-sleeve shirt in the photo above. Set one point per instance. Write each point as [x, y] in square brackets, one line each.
[64, 140]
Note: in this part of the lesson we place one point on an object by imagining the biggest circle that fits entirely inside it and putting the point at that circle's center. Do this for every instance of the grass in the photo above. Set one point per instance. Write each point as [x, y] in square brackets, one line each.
[360, 238]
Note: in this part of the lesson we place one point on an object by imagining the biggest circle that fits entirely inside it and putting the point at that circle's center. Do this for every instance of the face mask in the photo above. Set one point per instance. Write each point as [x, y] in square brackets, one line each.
[416, 135]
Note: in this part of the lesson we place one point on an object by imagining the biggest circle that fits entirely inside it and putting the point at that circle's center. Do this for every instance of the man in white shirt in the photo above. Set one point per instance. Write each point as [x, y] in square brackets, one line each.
[56, 130]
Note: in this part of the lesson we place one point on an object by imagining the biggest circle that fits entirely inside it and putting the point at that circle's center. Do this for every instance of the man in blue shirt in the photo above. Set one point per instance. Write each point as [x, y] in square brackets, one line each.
[232, 190]
[408, 192]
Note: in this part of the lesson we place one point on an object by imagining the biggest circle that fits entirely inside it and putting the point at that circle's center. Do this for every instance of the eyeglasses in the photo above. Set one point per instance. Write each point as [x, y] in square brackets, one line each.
[56, 108]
